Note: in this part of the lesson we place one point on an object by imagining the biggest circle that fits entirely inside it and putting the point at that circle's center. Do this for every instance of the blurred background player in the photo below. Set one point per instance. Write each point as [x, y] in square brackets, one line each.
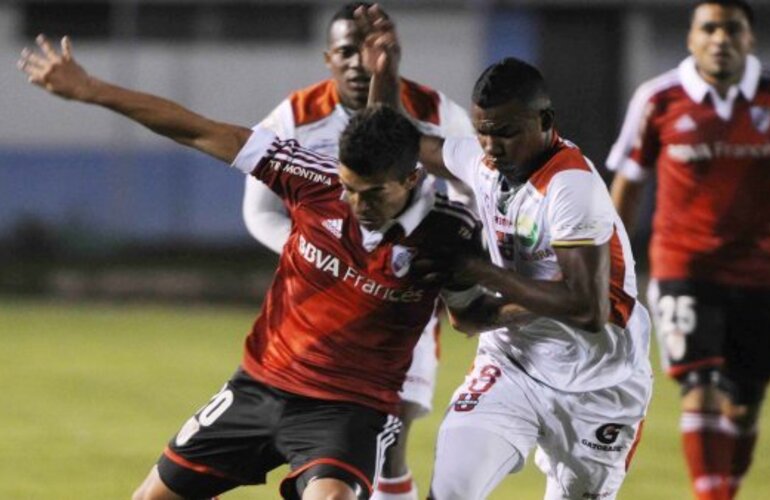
[562, 365]
[316, 116]
[323, 364]
[704, 127]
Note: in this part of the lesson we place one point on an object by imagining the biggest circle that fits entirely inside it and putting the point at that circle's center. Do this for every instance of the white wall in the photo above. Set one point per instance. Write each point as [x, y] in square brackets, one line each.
[234, 83]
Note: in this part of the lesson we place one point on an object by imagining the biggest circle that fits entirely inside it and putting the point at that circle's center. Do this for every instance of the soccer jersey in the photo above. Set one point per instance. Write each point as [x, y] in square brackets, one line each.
[712, 157]
[564, 203]
[316, 117]
[342, 315]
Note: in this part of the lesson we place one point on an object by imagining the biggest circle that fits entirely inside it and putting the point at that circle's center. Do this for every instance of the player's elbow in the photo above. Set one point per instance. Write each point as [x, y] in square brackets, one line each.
[593, 316]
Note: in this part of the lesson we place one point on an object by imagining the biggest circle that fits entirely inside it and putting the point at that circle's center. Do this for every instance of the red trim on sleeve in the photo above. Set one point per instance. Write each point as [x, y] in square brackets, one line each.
[621, 303]
[336, 463]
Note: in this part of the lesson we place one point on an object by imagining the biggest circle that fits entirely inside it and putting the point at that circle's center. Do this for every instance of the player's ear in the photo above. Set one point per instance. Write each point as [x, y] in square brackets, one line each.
[547, 118]
[413, 178]
[327, 58]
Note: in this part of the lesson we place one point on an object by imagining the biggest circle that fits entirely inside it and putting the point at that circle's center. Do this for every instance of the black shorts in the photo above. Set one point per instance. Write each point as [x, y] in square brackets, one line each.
[249, 429]
[704, 326]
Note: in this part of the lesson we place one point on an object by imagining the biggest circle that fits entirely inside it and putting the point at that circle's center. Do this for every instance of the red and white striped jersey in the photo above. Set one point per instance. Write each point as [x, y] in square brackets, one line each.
[342, 315]
[564, 203]
[712, 157]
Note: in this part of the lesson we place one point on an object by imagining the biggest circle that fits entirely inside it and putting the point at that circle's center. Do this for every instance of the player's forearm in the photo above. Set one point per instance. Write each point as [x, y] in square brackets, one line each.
[626, 196]
[169, 119]
[488, 312]
[584, 307]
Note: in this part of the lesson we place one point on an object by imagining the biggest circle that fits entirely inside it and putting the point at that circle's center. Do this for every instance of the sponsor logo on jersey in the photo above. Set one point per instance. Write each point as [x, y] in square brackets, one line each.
[305, 173]
[400, 258]
[760, 117]
[607, 434]
[328, 263]
[334, 226]
[693, 153]
[685, 124]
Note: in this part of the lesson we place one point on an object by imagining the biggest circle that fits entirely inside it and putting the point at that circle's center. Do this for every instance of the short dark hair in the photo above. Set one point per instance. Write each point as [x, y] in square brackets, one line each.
[380, 140]
[347, 13]
[509, 79]
[743, 5]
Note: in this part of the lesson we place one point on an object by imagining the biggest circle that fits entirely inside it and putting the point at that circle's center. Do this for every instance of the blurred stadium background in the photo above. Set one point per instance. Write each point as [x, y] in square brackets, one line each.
[127, 278]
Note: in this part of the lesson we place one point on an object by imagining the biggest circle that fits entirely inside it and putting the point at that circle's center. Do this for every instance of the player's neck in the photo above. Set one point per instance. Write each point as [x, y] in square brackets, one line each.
[722, 85]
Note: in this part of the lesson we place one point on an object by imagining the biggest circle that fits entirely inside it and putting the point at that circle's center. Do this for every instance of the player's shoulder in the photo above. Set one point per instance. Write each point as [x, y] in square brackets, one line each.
[566, 160]
[764, 82]
[314, 102]
[662, 88]
[421, 101]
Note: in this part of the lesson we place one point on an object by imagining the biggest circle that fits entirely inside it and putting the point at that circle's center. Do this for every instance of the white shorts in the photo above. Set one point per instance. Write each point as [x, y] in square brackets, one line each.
[420, 381]
[585, 440]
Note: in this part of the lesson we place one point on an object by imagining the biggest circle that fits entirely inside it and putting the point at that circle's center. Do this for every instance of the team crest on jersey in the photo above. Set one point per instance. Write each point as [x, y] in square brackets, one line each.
[400, 259]
[760, 117]
[685, 124]
[526, 231]
[334, 226]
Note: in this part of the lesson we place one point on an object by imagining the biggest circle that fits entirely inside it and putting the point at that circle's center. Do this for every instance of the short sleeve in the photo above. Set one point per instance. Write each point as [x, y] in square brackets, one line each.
[255, 150]
[636, 149]
[281, 121]
[454, 119]
[289, 170]
[461, 156]
[580, 210]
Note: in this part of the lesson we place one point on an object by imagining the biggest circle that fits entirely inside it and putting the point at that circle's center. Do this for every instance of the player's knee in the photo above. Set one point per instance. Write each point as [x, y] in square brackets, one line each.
[701, 389]
[325, 482]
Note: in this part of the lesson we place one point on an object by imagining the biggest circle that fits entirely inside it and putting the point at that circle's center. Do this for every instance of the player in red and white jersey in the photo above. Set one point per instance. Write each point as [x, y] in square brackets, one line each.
[316, 116]
[323, 364]
[563, 364]
[704, 129]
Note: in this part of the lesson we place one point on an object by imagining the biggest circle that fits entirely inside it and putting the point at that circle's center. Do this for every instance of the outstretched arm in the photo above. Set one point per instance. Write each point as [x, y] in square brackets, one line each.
[382, 56]
[59, 73]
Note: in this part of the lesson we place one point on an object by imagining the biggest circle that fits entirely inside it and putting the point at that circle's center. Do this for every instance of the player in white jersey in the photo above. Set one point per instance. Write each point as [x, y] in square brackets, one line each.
[316, 116]
[566, 369]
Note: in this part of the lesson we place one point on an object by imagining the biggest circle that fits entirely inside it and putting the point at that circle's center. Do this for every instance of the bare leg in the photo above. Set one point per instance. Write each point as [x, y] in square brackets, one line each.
[328, 489]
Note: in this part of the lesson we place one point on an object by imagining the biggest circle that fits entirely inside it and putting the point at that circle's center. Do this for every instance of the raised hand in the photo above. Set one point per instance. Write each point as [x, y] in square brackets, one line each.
[381, 50]
[56, 72]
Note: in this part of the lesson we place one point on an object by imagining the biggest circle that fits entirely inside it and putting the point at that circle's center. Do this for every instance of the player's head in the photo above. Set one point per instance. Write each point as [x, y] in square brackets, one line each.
[720, 37]
[378, 164]
[512, 115]
[343, 56]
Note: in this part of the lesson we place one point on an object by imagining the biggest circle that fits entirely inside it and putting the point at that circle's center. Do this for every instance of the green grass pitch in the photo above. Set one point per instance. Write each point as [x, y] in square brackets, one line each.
[92, 392]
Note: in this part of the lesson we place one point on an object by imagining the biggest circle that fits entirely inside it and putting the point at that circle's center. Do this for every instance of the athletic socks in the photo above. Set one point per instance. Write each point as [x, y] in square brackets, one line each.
[743, 451]
[707, 448]
[395, 488]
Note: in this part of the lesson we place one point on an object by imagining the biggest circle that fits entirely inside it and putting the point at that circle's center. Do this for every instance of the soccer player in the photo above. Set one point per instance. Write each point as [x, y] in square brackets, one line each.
[323, 364]
[705, 129]
[315, 116]
[566, 367]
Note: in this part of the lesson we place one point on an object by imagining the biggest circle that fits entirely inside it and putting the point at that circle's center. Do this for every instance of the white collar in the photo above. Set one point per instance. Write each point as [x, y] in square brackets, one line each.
[419, 207]
[697, 88]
